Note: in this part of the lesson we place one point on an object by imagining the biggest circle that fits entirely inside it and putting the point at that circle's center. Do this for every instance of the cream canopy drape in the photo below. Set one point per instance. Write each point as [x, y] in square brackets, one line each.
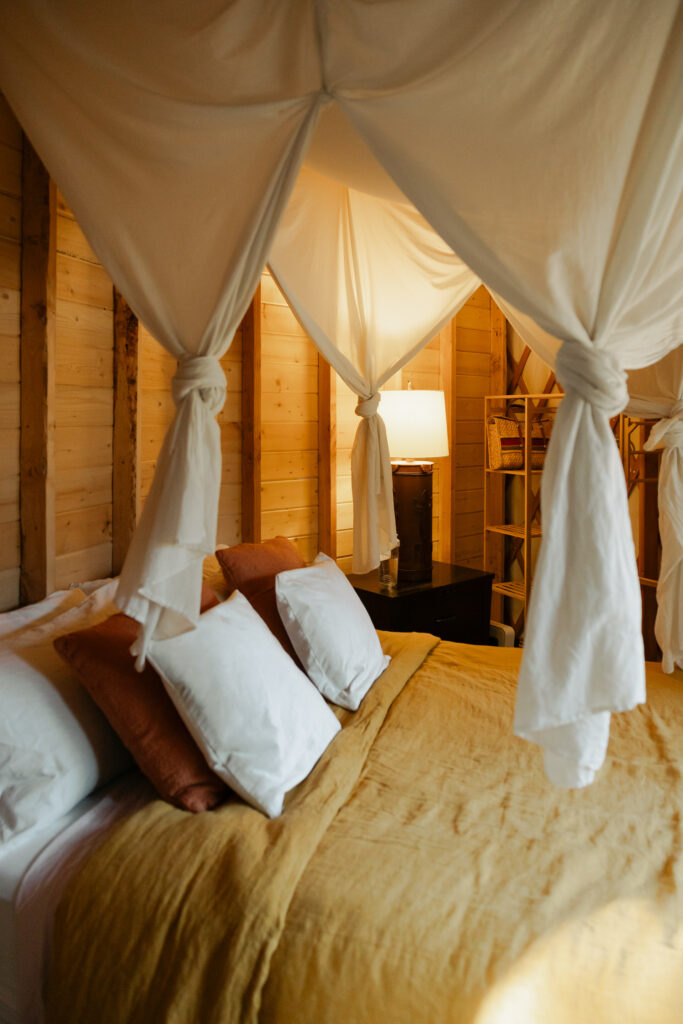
[543, 142]
[389, 284]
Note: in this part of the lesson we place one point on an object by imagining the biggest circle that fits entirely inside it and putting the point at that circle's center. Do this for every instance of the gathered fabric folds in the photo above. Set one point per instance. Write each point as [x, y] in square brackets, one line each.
[180, 511]
[177, 133]
[586, 635]
[372, 283]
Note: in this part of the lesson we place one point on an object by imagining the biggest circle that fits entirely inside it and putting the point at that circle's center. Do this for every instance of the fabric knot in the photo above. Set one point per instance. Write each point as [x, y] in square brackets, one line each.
[594, 375]
[203, 374]
[667, 432]
[368, 406]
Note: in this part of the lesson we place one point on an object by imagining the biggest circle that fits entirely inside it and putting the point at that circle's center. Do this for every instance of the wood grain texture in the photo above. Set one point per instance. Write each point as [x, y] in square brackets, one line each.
[38, 327]
[126, 500]
[251, 420]
[327, 458]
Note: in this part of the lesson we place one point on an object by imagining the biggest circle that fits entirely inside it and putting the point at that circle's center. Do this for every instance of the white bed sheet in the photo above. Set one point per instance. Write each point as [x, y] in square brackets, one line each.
[34, 869]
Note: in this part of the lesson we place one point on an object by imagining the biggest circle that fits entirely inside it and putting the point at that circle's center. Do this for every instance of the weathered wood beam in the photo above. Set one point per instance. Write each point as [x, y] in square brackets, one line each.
[126, 498]
[447, 479]
[251, 421]
[327, 458]
[38, 324]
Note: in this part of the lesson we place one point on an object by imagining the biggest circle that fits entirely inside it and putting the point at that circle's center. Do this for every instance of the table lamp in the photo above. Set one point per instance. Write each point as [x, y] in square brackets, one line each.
[416, 432]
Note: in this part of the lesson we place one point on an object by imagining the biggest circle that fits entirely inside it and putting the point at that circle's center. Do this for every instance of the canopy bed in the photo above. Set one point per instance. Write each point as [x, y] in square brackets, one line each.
[350, 146]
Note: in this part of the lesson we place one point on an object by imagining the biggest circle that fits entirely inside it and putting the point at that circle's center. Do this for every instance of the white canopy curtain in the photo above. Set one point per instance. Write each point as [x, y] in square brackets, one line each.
[175, 133]
[542, 141]
[372, 283]
[658, 392]
[654, 392]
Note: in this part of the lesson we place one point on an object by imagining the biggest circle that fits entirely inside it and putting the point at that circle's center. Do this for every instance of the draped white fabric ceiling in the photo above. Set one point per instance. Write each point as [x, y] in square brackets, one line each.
[542, 141]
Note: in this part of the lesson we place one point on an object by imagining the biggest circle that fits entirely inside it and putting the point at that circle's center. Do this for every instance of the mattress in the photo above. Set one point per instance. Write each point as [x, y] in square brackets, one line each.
[34, 868]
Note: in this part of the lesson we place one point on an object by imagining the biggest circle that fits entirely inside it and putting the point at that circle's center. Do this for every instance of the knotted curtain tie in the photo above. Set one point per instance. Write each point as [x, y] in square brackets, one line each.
[667, 432]
[368, 406]
[203, 374]
[593, 374]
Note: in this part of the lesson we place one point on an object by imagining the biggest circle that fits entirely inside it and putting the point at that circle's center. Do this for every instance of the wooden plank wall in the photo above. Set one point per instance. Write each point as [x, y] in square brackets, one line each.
[84, 408]
[10, 298]
[289, 412]
[470, 382]
[291, 371]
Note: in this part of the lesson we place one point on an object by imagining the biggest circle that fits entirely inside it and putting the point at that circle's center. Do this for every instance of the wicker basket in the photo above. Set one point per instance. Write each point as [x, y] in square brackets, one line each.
[539, 444]
[506, 444]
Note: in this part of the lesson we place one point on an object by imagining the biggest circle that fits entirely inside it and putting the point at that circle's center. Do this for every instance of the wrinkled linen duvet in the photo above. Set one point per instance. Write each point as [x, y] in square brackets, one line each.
[426, 871]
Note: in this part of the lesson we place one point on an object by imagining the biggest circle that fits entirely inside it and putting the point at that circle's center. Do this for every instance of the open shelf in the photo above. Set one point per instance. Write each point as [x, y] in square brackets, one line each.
[515, 529]
[510, 588]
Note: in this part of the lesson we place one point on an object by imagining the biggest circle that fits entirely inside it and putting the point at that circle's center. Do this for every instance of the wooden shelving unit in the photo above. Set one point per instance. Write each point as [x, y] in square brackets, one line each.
[527, 409]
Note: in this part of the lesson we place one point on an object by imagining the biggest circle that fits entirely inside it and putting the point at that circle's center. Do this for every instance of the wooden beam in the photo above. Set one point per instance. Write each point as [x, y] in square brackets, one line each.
[251, 421]
[327, 458]
[495, 486]
[447, 476]
[38, 322]
[126, 442]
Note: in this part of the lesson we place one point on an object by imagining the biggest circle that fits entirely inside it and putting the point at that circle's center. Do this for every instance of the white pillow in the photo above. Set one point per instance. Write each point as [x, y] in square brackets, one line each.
[56, 746]
[330, 631]
[253, 713]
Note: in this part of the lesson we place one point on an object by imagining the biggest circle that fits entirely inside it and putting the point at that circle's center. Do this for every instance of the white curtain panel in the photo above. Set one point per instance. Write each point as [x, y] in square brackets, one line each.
[543, 142]
[654, 392]
[658, 392]
[556, 172]
[372, 283]
[175, 132]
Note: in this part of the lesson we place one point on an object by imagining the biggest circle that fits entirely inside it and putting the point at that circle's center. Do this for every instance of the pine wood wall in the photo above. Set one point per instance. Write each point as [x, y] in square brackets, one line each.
[10, 276]
[287, 426]
[84, 410]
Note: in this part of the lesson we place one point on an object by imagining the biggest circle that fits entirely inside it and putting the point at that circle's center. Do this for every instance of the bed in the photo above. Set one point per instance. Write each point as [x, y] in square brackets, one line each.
[425, 871]
[421, 869]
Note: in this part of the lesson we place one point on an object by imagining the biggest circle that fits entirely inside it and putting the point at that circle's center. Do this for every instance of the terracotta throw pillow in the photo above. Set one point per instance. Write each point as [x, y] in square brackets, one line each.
[252, 568]
[141, 712]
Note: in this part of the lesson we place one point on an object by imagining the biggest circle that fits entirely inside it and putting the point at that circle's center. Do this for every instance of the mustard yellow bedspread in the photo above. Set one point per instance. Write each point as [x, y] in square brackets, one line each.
[425, 873]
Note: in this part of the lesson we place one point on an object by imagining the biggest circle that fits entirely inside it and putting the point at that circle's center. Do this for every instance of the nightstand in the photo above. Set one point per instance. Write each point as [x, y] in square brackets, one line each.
[454, 605]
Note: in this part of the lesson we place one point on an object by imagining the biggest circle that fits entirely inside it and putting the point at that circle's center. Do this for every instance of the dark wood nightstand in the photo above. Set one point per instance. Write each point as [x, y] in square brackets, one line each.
[454, 605]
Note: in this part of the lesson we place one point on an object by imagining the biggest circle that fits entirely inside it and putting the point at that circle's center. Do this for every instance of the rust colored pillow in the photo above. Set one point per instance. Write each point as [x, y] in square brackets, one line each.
[141, 712]
[252, 568]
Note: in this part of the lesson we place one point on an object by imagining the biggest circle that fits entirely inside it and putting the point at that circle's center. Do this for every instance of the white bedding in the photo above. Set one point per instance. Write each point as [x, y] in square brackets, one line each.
[34, 868]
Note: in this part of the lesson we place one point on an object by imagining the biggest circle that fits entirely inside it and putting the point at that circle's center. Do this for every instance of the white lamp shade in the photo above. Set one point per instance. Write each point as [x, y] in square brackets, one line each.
[416, 424]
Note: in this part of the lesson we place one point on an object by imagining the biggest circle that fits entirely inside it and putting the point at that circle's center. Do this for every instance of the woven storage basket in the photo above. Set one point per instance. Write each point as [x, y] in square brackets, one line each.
[539, 444]
[506, 444]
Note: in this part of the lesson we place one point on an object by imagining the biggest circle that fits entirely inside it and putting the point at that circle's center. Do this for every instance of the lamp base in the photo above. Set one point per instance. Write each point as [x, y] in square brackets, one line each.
[413, 507]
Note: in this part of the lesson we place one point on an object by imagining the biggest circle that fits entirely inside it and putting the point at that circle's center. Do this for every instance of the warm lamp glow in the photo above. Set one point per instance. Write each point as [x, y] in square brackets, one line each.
[416, 424]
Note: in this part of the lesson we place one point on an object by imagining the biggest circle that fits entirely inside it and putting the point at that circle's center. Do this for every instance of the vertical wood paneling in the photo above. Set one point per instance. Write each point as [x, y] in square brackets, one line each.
[126, 441]
[495, 495]
[85, 408]
[327, 458]
[38, 308]
[471, 381]
[289, 419]
[10, 301]
[251, 421]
